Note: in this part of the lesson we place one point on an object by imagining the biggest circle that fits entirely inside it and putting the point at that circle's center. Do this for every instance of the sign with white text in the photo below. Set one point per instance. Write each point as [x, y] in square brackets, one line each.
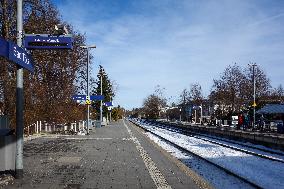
[108, 104]
[16, 54]
[48, 42]
[20, 56]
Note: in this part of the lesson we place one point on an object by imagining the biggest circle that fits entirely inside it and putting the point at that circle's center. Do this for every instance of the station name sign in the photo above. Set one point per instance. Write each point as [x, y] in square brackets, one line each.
[16, 54]
[43, 41]
[20, 56]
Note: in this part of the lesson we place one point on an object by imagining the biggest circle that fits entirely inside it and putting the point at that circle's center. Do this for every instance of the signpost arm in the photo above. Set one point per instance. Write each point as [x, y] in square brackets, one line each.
[19, 98]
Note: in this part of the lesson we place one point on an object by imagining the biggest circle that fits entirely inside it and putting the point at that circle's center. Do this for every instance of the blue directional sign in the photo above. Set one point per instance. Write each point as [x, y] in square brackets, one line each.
[97, 97]
[108, 104]
[85, 97]
[4, 48]
[79, 97]
[20, 56]
[14, 53]
[48, 42]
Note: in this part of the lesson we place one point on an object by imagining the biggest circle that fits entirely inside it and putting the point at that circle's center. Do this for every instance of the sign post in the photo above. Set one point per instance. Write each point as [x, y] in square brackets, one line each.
[19, 98]
[15, 53]
[19, 56]
[88, 101]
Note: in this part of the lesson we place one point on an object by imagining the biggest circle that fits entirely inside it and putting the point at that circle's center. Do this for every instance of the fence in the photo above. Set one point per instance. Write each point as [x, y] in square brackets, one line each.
[44, 127]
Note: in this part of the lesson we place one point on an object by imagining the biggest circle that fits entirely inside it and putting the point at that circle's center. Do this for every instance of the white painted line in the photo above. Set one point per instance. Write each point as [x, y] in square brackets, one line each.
[75, 138]
[154, 172]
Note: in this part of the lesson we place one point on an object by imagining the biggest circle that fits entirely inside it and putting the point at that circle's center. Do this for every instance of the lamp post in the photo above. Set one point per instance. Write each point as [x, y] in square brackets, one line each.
[201, 115]
[179, 114]
[110, 110]
[88, 61]
[101, 104]
[254, 104]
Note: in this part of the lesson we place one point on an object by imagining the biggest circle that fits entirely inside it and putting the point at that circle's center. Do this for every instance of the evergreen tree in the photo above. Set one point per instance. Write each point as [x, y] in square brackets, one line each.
[117, 113]
[107, 90]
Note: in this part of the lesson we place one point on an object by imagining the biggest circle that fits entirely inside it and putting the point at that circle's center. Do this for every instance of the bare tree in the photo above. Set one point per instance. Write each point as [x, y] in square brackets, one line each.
[196, 93]
[153, 103]
[234, 90]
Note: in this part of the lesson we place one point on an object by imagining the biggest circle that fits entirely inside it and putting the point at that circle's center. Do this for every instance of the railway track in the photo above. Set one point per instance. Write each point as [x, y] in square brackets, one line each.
[196, 135]
[228, 171]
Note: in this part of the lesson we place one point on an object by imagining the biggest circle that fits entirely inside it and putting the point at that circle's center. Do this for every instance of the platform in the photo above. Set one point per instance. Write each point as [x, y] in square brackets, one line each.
[114, 156]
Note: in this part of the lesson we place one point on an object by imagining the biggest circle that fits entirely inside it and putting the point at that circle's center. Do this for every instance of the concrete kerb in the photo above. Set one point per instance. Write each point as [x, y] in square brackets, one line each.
[35, 136]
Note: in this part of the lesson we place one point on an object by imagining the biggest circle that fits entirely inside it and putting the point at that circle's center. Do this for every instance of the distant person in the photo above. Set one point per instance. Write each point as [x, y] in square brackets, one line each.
[261, 122]
[240, 121]
[246, 122]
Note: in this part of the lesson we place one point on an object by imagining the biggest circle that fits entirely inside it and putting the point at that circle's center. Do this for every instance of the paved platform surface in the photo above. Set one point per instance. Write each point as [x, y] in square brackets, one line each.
[115, 156]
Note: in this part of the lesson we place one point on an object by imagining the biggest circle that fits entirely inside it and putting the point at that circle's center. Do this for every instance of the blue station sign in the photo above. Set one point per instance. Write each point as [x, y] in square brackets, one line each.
[16, 54]
[85, 97]
[97, 97]
[79, 97]
[108, 104]
[20, 56]
[4, 48]
[42, 41]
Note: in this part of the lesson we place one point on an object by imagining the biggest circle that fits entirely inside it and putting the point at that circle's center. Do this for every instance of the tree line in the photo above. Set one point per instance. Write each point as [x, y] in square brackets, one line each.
[230, 94]
[58, 74]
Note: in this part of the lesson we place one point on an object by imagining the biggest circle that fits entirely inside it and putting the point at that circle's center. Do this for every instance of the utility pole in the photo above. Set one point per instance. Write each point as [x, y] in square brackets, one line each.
[179, 114]
[88, 93]
[254, 104]
[101, 105]
[110, 110]
[201, 115]
[19, 98]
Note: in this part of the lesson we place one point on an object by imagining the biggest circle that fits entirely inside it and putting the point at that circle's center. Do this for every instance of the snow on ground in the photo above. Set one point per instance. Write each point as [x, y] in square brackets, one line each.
[275, 156]
[248, 144]
[216, 177]
[263, 172]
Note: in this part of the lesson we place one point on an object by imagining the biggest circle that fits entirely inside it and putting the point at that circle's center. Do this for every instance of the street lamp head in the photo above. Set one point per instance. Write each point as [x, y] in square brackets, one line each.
[61, 29]
[88, 47]
[92, 46]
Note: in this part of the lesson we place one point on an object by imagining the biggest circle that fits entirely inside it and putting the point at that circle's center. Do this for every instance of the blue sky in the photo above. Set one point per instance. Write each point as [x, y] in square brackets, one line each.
[173, 43]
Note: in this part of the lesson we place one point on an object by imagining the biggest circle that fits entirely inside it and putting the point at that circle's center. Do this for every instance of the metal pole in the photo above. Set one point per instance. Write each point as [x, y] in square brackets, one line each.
[110, 111]
[253, 72]
[88, 106]
[195, 116]
[201, 115]
[19, 98]
[179, 115]
[101, 106]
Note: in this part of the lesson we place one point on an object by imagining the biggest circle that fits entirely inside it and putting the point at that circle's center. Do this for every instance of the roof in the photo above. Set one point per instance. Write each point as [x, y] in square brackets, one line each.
[272, 109]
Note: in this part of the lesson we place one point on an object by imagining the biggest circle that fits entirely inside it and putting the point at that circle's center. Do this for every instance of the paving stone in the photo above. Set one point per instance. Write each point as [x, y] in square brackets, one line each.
[107, 158]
